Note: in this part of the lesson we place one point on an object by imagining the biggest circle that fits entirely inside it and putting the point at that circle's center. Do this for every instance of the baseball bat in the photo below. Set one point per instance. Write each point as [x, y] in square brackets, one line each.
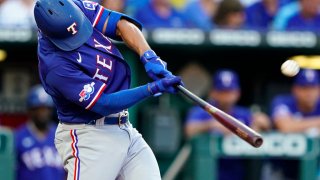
[231, 123]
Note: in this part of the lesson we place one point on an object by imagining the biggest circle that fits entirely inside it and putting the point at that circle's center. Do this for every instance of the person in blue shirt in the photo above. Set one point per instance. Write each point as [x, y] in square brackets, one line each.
[298, 112]
[260, 14]
[224, 95]
[90, 84]
[37, 157]
[307, 19]
[230, 15]
[284, 13]
[200, 14]
[160, 14]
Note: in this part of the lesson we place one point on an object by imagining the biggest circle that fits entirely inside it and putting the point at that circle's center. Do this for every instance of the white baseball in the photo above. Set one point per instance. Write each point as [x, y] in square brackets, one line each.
[290, 68]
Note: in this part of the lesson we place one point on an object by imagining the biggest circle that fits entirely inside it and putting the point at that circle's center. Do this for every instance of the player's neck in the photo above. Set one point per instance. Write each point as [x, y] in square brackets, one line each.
[305, 109]
[41, 133]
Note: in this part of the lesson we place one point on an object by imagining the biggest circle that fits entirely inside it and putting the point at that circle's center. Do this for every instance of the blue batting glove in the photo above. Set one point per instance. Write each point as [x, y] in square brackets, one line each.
[165, 85]
[155, 67]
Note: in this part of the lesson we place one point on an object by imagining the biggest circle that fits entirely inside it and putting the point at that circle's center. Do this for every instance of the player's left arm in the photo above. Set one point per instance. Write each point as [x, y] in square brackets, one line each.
[133, 37]
[119, 27]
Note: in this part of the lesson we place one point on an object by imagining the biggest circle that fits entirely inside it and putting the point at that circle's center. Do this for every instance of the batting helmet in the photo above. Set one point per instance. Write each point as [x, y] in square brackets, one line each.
[63, 23]
[38, 97]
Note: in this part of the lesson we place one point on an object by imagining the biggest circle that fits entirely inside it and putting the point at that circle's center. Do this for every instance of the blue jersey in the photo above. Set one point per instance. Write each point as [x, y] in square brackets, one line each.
[258, 16]
[299, 23]
[37, 159]
[197, 17]
[229, 168]
[76, 79]
[284, 105]
[197, 114]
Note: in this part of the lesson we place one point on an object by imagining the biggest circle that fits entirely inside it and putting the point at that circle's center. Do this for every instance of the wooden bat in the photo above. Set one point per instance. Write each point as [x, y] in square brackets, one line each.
[226, 120]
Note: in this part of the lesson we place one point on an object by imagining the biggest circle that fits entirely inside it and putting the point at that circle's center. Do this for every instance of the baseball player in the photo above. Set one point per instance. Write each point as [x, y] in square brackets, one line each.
[37, 157]
[224, 94]
[89, 82]
[298, 112]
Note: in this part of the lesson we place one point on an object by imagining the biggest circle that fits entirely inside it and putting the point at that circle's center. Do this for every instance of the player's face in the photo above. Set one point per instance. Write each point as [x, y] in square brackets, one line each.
[235, 20]
[306, 96]
[225, 99]
[41, 116]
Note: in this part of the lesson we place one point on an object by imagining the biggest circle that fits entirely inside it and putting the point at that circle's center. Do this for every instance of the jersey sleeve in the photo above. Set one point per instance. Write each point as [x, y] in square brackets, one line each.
[248, 119]
[197, 115]
[98, 16]
[72, 84]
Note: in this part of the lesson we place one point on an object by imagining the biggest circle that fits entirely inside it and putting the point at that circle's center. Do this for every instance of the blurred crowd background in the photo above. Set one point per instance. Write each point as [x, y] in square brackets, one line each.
[243, 81]
[260, 15]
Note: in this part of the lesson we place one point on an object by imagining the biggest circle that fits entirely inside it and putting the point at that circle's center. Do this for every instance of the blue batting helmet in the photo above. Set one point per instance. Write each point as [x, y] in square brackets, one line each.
[38, 97]
[63, 23]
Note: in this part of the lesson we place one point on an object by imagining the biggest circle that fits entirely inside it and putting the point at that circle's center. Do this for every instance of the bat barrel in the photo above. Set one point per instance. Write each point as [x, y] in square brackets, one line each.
[257, 141]
[226, 120]
[237, 127]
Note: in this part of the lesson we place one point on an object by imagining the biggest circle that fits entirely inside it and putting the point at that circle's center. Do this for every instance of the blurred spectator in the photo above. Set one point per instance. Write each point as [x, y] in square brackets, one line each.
[230, 14]
[118, 5]
[224, 95]
[283, 14]
[1, 4]
[299, 111]
[261, 14]
[200, 13]
[308, 18]
[179, 3]
[37, 158]
[17, 13]
[160, 13]
[133, 5]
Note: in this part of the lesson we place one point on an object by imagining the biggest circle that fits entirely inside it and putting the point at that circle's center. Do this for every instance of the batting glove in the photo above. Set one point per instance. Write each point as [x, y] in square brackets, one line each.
[166, 84]
[155, 67]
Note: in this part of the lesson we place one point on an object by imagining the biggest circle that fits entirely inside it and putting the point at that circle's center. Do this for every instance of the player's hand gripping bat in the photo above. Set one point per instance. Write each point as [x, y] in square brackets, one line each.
[226, 120]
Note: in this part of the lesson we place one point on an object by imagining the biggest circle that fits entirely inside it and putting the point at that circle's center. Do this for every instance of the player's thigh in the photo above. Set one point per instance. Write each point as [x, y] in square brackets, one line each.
[141, 163]
[93, 153]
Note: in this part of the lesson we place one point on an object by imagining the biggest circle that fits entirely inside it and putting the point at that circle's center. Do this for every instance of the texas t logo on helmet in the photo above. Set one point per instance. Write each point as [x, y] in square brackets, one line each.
[63, 23]
[72, 28]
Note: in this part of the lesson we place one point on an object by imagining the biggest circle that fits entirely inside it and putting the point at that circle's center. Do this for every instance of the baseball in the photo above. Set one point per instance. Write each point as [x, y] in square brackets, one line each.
[290, 68]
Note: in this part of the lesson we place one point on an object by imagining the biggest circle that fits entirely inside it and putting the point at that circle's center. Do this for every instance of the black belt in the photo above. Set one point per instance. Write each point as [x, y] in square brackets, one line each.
[111, 121]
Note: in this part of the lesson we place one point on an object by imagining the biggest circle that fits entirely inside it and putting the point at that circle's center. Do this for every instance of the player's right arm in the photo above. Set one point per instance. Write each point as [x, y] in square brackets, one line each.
[286, 122]
[71, 83]
[195, 128]
[199, 122]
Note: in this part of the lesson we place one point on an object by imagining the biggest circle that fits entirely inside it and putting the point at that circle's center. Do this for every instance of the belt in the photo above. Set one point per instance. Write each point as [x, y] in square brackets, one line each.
[112, 119]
